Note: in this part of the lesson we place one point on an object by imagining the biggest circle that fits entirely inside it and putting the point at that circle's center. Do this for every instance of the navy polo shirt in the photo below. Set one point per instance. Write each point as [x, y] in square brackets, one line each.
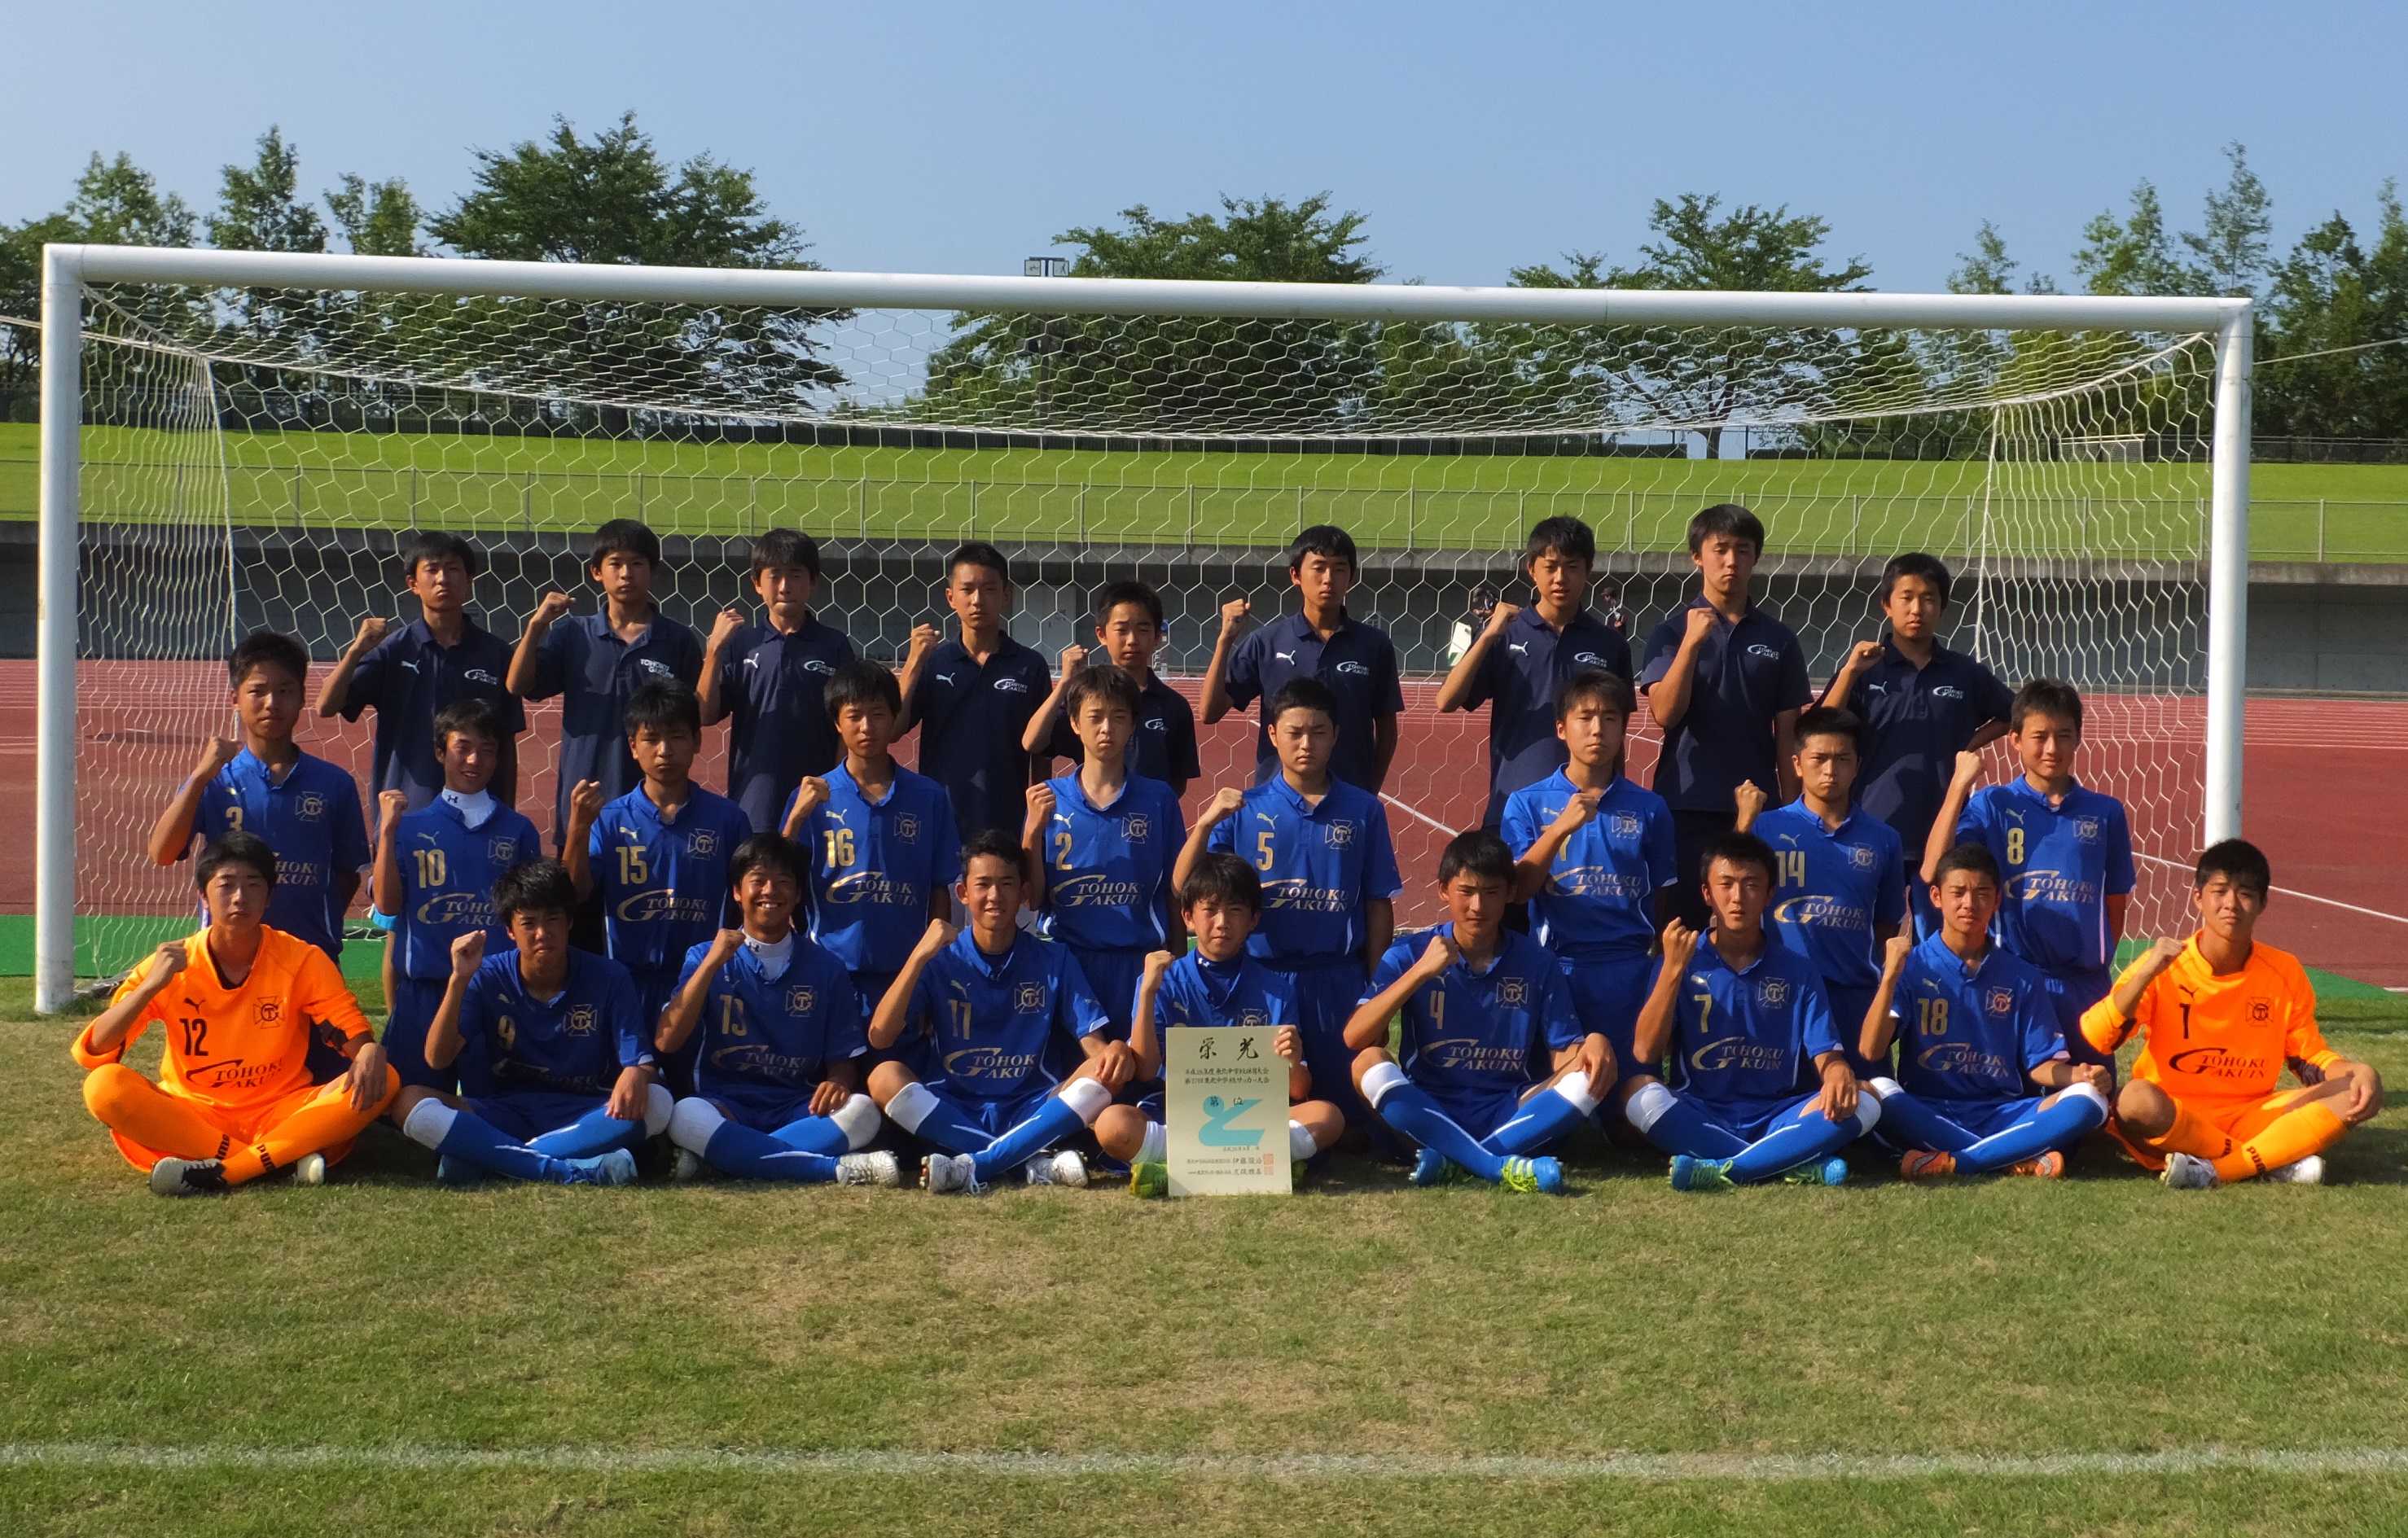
[408, 679]
[581, 659]
[1746, 674]
[1917, 720]
[971, 719]
[771, 684]
[1357, 662]
[1520, 679]
[1164, 747]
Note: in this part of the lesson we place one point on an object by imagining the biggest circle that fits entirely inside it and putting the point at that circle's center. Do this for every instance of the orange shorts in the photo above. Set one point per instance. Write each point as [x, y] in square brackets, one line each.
[240, 1124]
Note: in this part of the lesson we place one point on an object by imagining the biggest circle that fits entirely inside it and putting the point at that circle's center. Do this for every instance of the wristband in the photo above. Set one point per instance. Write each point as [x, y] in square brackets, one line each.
[383, 921]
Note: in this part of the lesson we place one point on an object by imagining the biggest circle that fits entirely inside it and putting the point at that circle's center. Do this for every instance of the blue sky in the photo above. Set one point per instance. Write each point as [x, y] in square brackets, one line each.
[1476, 139]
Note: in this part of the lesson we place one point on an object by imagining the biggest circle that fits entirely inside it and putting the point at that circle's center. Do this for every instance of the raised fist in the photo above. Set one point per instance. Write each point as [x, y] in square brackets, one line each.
[584, 802]
[467, 952]
[216, 753]
[724, 629]
[1234, 615]
[372, 630]
[391, 805]
[549, 609]
[1224, 803]
[1679, 944]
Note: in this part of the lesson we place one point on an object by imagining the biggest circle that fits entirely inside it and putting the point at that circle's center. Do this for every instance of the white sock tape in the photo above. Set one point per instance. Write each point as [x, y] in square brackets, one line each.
[1086, 1096]
[427, 1122]
[857, 1119]
[1647, 1106]
[912, 1105]
[1382, 1080]
[693, 1123]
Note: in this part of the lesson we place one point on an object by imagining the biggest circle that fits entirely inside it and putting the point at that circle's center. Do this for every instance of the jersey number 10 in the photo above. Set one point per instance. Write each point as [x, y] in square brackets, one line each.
[430, 867]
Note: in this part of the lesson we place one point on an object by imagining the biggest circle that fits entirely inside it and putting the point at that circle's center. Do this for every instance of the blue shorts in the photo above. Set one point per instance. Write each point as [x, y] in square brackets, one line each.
[1477, 1113]
[1325, 998]
[1111, 977]
[1848, 1008]
[1607, 995]
[763, 1107]
[530, 1114]
[414, 1003]
[2072, 992]
[1748, 1119]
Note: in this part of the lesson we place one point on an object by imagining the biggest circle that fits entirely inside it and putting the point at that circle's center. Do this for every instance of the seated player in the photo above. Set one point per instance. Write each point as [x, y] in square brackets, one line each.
[2220, 1017]
[1214, 985]
[1594, 856]
[555, 1061]
[1976, 1034]
[1747, 1023]
[778, 1078]
[1005, 1019]
[1497, 1062]
[238, 1002]
[434, 874]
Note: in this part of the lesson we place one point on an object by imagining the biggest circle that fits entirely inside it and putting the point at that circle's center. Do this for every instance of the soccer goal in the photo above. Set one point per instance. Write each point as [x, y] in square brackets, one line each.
[233, 439]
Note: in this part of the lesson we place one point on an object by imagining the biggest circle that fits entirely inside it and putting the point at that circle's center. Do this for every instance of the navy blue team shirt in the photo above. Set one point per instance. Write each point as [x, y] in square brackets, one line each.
[1834, 889]
[581, 659]
[1747, 1038]
[877, 865]
[1598, 904]
[765, 1037]
[1005, 1027]
[1746, 674]
[408, 679]
[1520, 678]
[313, 822]
[1164, 747]
[1357, 662]
[970, 719]
[448, 870]
[1318, 866]
[773, 684]
[1916, 721]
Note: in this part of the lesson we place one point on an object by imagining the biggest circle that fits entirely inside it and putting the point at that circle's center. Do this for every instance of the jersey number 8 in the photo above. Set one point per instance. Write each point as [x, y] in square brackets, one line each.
[2014, 846]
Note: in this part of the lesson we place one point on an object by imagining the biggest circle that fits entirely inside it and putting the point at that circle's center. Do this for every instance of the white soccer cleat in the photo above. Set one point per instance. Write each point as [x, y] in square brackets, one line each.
[876, 1168]
[2188, 1172]
[686, 1166]
[310, 1170]
[187, 1177]
[2298, 1172]
[1062, 1169]
[945, 1174]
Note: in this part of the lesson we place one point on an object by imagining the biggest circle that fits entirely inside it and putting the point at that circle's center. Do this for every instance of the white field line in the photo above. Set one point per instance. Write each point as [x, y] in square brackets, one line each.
[2302, 896]
[1417, 814]
[1645, 1467]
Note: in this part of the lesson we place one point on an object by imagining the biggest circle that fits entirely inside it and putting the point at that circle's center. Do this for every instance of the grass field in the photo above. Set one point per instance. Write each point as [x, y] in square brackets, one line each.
[2346, 512]
[2095, 1356]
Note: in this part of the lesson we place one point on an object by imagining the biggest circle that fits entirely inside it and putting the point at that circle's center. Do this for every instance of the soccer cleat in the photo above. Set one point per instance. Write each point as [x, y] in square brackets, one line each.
[876, 1168]
[1830, 1172]
[1543, 1174]
[2188, 1172]
[2047, 1166]
[1429, 1168]
[685, 1166]
[310, 1170]
[1700, 1174]
[456, 1172]
[947, 1174]
[188, 1177]
[615, 1168]
[2298, 1172]
[1062, 1169]
[1925, 1165]
[1150, 1178]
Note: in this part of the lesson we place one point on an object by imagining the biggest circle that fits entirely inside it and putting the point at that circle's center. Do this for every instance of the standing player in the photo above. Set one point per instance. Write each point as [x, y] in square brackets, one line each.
[555, 1061]
[237, 1003]
[434, 874]
[1594, 857]
[410, 676]
[1128, 626]
[661, 850]
[971, 697]
[1497, 1062]
[1922, 705]
[1354, 660]
[1747, 1023]
[1520, 664]
[1839, 890]
[2220, 1017]
[1976, 1034]
[1320, 846]
[2066, 849]
[1007, 1020]
[1726, 681]
[597, 662]
[880, 839]
[778, 1072]
[770, 678]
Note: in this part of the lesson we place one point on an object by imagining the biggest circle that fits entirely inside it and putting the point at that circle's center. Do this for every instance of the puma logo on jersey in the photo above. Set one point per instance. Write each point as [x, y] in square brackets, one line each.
[1518, 649]
[407, 663]
[944, 678]
[1284, 656]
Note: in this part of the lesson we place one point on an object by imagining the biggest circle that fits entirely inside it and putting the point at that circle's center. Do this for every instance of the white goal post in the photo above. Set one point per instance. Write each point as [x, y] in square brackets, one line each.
[70, 270]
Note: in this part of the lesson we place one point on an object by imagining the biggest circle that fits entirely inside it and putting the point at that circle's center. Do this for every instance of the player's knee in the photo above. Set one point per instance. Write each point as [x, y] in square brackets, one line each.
[857, 1119]
[109, 1088]
[1881, 1087]
[658, 1106]
[1378, 1079]
[1325, 1121]
[1120, 1132]
[1086, 1096]
[1369, 1059]
[1643, 1105]
[2144, 1109]
[692, 1122]
[887, 1080]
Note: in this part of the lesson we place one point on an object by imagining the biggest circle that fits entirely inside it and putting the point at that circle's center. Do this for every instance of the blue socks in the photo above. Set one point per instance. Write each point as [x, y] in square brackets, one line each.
[1677, 1127]
[598, 1132]
[1052, 1121]
[1410, 1110]
[768, 1156]
[1796, 1140]
[473, 1140]
[1537, 1123]
[2050, 1127]
[814, 1135]
[1909, 1123]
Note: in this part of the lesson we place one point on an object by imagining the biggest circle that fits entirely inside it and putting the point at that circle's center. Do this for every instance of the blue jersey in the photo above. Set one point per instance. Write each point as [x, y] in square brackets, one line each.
[1357, 662]
[1482, 1032]
[1199, 992]
[594, 671]
[876, 865]
[1749, 1037]
[408, 679]
[1745, 673]
[780, 1033]
[1972, 1036]
[1004, 1027]
[1598, 904]
[313, 822]
[771, 684]
[1835, 890]
[2061, 862]
[576, 1043]
[1318, 864]
[1164, 747]
[1108, 869]
[664, 882]
[1520, 677]
[448, 870]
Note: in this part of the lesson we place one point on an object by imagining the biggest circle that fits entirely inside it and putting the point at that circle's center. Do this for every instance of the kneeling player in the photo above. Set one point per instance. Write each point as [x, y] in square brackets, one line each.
[238, 1002]
[1002, 1015]
[778, 1093]
[557, 1071]
[1748, 1023]
[1487, 1018]
[2220, 1015]
[1976, 1031]
[1216, 985]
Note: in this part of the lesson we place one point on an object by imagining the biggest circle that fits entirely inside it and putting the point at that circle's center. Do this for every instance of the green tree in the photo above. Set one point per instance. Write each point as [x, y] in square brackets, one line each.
[2229, 256]
[2334, 292]
[257, 210]
[115, 203]
[377, 218]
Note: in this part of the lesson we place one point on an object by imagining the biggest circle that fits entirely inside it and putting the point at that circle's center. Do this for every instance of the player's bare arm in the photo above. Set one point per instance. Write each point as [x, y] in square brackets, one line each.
[389, 892]
[706, 692]
[1874, 1033]
[684, 1011]
[584, 805]
[1785, 750]
[1384, 749]
[809, 796]
[844, 1080]
[337, 686]
[1861, 656]
[171, 836]
[1668, 698]
[1109, 1063]
[1379, 928]
[894, 1011]
[1538, 863]
[1457, 688]
[443, 1038]
[1369, 1025]
[1838, 1100]
[1041, 803]
[1654, 1031]
[117, 1021]
[1942, 836]
[1216, 674]
[1143, 1035]
[547, 612]
[924, 639]
[1287, 1045]
[1040, 725]
[1223, 807]
[1592, 1056]
[1751, 801]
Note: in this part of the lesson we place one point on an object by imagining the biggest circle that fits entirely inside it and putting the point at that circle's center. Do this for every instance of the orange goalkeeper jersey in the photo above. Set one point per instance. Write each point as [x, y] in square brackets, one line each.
[2212, 1037]
[241, 1047]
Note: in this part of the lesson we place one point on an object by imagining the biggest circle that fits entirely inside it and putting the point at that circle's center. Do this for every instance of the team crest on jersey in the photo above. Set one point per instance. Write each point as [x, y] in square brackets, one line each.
[1512, 991]
[1029, 998]
[1011, 686]
[907, 828]
[801, 1001]
[1860, 856]
[1947, 692]
[2087, 829]
[1772, 992]
[1155, 724]
[502, 851]
[270, 1011]
[2260, 1010]
[1625, 825]
[1339, 835]
[1587, 658]
[1253, 1019]
[580, 1021]
[1999, 1001]
[1137, 830]
[813, 664]
[703, 842]
[312, 807]
[479, 676]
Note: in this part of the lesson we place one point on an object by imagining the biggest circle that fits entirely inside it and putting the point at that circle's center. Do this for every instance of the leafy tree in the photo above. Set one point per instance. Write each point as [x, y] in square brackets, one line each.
[2230, 255]
[2335, 292]
[256, 209]
[378, 218]
[115, 203]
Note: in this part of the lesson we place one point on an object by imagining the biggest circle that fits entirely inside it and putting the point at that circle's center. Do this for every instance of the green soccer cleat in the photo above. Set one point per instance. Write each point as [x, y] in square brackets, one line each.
[1532, 1176]
[1830, 1172]
[1150, 1178]
[1700, 1174]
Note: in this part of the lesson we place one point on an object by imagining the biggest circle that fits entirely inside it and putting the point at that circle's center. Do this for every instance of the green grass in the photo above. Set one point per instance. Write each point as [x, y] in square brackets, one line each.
[502, 485]
[2007, 1317]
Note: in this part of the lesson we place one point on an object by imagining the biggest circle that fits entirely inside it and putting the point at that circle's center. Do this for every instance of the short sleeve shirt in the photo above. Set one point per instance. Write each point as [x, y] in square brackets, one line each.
[1916, 721]
[1002, 1027]
[575, 1043]
[1520, 679]
[972, 718]
[877, 865]
[1835, 890]
[1108, 868]
[448, 870]
[1319, 864]
[1164, 747]
[2061, 863]
[1357, 662]
[1972, 1034]
[663, 879]
[594, 672]
[1746, 674]
[779, 729]
[1748, 1037]
[1471, 1032]
[764, 1032]
[312, 818]
[408, 679]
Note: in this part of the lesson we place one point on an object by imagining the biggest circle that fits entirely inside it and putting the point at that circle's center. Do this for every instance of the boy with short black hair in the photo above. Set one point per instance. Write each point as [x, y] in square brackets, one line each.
[555, 1064]
[1130, 627]
[435, 867]
[771, 679]
[1524, 657]
[1725, 680]
[1497, 1062]
[2065, 848]
[971, 696]
[1352, 659]
[409, 675]
[597, 662]
[308, 809]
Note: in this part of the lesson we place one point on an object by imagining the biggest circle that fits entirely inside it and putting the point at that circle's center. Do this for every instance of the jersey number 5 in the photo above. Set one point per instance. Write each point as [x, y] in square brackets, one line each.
[1263, 849]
